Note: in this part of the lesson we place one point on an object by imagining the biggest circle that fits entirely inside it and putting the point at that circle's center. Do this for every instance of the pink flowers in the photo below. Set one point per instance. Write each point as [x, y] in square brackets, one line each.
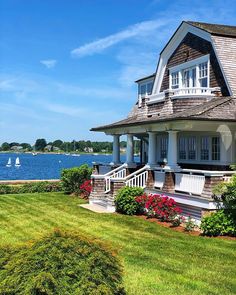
[159, 206]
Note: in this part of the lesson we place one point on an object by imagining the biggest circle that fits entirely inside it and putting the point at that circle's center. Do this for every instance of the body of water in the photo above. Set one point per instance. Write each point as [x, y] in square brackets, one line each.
[44, 166]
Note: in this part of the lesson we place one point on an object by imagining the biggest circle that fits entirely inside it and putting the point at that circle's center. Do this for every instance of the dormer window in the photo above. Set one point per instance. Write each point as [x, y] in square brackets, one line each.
[191, 78]
[145, 88]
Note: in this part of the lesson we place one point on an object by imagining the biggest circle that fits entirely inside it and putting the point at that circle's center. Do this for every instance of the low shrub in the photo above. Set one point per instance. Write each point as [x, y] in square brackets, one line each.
[177, 220]
[60, 263]
[73, 178]
[125, 200]
[189, 224]
[32, 187]
[218, 224]
[161, 207]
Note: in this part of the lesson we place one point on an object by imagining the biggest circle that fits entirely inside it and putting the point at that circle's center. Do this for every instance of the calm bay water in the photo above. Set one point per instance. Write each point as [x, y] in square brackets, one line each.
[44, 166]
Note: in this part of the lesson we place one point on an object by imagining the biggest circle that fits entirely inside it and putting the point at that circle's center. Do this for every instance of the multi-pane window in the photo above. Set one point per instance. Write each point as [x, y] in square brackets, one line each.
[203, 74]
[175, 80]
[145, 89]
[190, 74]
[164, 147]
[187, 148]
[186, 78]
[209, 148]
[182, 148]
[149, 88]
[215, 148]
[192, 148]
[205, 147]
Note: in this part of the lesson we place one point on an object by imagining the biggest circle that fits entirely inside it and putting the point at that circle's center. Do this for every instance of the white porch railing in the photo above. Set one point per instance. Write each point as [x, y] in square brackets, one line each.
[189, 183]
[119, 172]
[193, 91]
[138, 178]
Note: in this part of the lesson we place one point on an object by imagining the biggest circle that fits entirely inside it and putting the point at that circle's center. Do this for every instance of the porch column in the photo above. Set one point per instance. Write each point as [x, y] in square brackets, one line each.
[116, 150]
[130, 150]
[152, 149]
[172, 150]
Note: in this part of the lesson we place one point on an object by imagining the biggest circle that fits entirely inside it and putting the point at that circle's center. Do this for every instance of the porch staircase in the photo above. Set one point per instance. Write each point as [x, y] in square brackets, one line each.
[105, 199]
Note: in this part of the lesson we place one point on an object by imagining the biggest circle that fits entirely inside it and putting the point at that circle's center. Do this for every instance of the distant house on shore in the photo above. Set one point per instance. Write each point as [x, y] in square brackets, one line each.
[185, 118]
[88, 150]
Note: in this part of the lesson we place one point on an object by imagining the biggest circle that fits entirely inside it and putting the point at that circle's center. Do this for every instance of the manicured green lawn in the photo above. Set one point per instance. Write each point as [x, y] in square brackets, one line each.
[156, 260]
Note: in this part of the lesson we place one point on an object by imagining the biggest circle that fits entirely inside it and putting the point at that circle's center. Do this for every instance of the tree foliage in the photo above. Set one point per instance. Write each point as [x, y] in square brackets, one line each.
[40, 144]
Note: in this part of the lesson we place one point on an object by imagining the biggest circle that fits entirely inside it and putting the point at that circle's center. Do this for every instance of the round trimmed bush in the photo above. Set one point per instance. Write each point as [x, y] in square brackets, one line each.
[125, 200]
[73, 178]
[61, 263]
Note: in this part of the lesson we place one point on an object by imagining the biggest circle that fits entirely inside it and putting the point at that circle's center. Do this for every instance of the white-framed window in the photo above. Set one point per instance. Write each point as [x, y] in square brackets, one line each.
[182, 148]
[175, 80]
[186, 78]
[145, 88]
[163, 147]
[210, 148]
[205, 148]
[215, 148]
[194, 73]
[203, 74]
[192, 148]
[187, 148]
[199, 148]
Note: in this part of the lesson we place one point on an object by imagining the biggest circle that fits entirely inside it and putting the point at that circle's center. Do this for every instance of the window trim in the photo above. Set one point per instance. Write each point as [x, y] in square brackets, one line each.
[145, 83]
[198, 148]
[187, 66]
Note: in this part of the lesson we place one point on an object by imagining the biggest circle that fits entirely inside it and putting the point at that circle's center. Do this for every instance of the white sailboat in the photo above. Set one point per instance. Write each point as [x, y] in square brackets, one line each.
[9, 163]
[17, 163]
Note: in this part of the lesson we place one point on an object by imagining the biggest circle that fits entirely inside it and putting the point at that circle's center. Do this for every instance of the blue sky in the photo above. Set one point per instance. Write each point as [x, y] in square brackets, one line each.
[69, 65]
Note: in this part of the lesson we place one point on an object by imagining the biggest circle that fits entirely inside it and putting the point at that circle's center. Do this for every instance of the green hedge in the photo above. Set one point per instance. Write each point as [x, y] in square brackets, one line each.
[32, 187]
[73, 178]
[125, 200]
[60, 263]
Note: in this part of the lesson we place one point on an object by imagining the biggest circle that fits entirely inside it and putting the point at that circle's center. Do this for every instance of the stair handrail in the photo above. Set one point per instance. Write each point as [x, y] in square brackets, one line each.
[114, 170]
[135, 173]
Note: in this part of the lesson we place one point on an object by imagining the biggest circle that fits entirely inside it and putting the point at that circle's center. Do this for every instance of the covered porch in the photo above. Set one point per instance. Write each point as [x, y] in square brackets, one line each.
[177, 158]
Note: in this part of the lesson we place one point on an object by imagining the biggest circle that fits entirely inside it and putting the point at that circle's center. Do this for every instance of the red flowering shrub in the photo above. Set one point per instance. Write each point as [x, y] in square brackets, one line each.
[86, 187]
[159, 206]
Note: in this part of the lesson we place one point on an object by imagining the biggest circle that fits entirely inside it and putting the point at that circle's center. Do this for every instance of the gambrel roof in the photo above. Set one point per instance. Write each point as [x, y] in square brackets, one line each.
[222, 38]
[215, 29]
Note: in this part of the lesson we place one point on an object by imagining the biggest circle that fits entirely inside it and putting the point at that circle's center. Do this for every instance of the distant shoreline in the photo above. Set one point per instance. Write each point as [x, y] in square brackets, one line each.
[56, 153]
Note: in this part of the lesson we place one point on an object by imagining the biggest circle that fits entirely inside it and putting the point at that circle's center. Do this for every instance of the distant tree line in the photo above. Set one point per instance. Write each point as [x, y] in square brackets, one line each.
[41, 145]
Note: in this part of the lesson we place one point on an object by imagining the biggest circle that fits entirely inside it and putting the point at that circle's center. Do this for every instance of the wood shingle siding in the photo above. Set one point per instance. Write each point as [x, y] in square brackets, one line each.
[190, 48]
[226, 50]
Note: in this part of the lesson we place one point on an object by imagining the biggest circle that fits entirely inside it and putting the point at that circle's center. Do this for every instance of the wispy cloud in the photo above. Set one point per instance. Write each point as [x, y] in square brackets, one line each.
[49, 63]
[139, 29]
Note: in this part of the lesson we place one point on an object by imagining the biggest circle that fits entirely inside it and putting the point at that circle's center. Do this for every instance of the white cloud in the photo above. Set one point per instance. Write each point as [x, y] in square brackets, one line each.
[139, 29]
[49, 63]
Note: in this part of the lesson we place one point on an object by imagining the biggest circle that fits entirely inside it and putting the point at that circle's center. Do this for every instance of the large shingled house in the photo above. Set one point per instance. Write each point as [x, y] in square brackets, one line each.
[185, 118]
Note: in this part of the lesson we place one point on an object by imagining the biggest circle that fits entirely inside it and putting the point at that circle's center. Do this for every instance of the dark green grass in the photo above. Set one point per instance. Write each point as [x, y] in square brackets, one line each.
[156, 260]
